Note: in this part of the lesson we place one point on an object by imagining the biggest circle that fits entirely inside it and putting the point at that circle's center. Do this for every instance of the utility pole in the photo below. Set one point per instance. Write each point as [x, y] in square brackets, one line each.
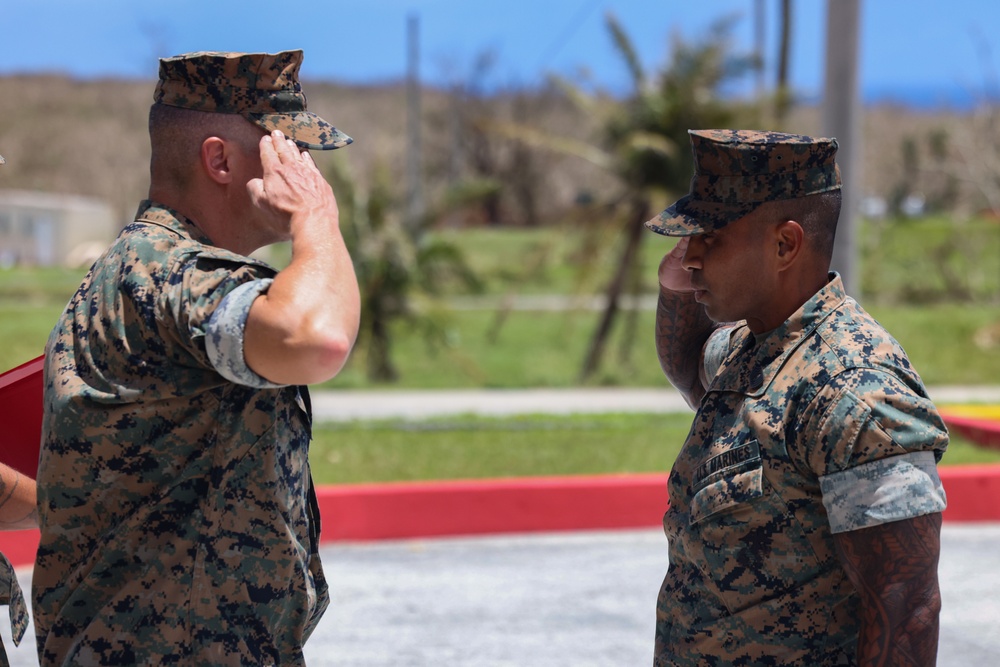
[783, 96]
[760, 43]
[842, 119]
[414, 176]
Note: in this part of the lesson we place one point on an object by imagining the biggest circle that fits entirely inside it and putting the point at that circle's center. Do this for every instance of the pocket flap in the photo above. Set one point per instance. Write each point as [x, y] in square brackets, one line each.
[727, 480]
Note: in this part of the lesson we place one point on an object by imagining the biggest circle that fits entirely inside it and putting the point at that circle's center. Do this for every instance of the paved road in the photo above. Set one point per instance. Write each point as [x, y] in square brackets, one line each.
[555, 600]
[347, 405]
[581, 599]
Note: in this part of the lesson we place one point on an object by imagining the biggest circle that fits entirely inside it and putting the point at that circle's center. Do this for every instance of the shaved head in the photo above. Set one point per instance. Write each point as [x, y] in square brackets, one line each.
[176, 136]
[817, 214]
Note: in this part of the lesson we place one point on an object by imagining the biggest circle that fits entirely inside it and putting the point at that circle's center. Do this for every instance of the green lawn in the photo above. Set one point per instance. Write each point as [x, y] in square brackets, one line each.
[931, 260]
[477, 348]
[538, 446]
[30, 302]
[536, 349]
[544, 349]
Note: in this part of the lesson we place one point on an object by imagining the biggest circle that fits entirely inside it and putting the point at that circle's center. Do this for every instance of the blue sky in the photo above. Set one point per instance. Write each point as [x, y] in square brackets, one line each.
[926, 49]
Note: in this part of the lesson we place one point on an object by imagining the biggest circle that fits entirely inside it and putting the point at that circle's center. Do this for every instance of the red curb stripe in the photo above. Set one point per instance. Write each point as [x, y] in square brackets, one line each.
[402, 510]
[428, 509]
[973, 492]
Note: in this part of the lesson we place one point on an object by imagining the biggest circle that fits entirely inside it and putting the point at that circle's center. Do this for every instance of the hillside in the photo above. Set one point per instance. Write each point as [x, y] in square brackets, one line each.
[89, 138]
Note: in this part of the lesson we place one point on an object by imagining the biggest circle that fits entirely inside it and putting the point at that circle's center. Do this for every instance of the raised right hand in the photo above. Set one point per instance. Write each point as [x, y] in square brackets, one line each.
[673, 276]
[292, 188]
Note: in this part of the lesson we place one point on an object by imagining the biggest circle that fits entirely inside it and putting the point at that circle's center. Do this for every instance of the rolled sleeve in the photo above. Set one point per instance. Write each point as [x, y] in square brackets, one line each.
[882, 491]
[11, 595]
[715, 352]
[224, 335]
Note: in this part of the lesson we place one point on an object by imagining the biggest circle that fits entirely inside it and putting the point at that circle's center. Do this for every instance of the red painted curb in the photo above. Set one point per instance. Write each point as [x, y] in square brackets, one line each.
[427, 509]
[436, 509]
[973, 492]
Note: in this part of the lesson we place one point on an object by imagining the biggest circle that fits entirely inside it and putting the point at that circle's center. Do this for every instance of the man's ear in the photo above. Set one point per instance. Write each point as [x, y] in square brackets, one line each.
[215, 160]
[789, 238]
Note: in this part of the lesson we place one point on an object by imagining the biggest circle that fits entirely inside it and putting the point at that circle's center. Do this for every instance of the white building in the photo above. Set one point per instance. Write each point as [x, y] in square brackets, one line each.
[46, 229]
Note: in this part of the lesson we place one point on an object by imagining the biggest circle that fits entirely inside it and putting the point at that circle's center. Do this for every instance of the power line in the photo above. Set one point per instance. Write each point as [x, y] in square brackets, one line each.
[582, 13]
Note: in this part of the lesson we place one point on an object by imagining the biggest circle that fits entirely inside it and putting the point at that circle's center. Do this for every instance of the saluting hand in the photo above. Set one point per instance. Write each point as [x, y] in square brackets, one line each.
[673, 276]
[292, 188]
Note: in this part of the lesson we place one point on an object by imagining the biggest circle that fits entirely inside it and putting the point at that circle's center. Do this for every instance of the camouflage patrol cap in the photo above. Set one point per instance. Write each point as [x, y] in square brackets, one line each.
[735, 171]
[262, 87]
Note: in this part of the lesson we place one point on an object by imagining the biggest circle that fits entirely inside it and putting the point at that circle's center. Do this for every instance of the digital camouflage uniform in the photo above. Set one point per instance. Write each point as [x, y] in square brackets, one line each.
[261, 87]
[178, 519]
[735, 171]
[818, 427]
[174, 501]
[11, 595]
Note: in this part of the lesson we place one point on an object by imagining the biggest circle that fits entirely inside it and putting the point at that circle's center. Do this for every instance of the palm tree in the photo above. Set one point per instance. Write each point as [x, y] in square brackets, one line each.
[644, 146]
[396, 264]
[647, 140]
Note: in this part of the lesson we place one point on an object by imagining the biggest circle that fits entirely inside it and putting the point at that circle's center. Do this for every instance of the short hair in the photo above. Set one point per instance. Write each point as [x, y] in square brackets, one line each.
[818, 215]
[176, 135]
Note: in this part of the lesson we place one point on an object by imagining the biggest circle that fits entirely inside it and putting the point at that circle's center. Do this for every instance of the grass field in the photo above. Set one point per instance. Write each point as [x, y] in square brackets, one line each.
[478, 348]
[479, 448]
[544, 349]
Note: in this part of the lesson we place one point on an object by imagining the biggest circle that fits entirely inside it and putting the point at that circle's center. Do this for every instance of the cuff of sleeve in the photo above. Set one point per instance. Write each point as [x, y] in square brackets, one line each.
[716, 350]
[11, 595]
[224, 333]
[882, 491]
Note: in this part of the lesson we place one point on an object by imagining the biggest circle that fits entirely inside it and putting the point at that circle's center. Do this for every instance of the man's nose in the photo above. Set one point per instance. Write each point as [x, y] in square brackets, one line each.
[693, 253]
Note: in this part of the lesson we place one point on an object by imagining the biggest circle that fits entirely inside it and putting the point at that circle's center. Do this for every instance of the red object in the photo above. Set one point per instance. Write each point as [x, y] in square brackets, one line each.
[984, 432]
[491, 506]
[20, 546]
[427, 509]
[21, 416]
[973, 492]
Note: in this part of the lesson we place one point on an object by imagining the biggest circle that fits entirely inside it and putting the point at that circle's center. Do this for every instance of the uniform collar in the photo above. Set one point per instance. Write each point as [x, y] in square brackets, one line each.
[754, 361]
[164, 216]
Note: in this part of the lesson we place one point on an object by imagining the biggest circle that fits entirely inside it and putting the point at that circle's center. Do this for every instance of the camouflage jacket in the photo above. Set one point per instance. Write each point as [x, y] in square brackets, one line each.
[178, 520]
[11, 595]
[818, 427]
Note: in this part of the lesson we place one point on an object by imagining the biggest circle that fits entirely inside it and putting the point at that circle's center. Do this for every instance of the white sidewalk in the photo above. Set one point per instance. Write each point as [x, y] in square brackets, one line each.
[417, 404]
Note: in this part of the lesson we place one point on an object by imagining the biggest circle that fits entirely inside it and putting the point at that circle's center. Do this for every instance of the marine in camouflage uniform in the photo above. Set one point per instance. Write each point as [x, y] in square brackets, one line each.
[808, 435]
[178, 517]
[17, 511]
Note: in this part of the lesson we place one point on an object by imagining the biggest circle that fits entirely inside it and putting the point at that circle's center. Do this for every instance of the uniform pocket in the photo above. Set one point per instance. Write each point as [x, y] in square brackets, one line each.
[726, 481]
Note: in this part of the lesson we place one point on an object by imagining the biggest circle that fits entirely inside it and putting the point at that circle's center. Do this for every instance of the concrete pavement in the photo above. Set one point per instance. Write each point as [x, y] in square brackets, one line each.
[392, 404]
[581, 599]
[554, 600]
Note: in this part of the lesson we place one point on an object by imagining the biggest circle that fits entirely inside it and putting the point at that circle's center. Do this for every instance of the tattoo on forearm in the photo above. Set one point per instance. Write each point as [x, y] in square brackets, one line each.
[7, 491]
[894, 568]
[682, 327]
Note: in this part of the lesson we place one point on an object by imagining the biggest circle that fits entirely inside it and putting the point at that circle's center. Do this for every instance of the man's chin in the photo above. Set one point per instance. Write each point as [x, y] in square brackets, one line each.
[715, 315]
